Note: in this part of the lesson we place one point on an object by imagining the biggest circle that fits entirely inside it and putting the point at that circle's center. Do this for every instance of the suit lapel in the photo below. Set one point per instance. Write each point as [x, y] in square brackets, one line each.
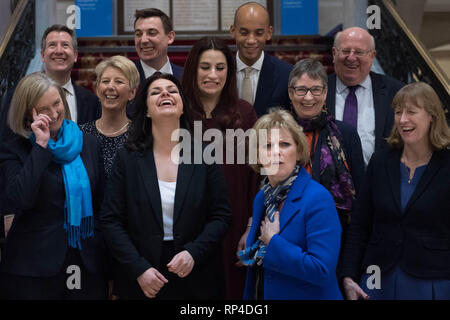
[290, 209]
[435, 164]
[147, 168]
[331, 95]
[185, 172]
[393, 172]
[379, 100]
[263, 90]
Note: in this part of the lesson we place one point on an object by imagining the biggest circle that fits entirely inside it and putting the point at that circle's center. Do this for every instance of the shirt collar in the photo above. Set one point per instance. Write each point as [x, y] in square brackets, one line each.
[257, 65]
[340, 87]
[148, 71]
[69, 87]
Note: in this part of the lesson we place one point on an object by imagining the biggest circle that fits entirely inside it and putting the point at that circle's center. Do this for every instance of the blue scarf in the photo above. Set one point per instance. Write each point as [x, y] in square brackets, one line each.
[78, 218]
[273, 196]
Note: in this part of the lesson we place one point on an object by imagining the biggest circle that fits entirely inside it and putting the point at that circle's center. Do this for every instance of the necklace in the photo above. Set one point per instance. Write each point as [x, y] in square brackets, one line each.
[112, 133]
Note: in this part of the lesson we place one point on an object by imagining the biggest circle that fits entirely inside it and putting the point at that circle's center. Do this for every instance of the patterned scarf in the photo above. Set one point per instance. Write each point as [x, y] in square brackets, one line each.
[273, 197]
[334, 170]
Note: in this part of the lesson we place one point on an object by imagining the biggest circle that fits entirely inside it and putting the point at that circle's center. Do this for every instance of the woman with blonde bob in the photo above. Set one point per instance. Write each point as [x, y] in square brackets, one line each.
[116, 85]
[294, 241]
[401, 220]
[54, 178]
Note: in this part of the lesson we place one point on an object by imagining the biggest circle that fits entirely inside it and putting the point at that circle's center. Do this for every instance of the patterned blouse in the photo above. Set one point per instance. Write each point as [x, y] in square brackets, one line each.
[109, 145]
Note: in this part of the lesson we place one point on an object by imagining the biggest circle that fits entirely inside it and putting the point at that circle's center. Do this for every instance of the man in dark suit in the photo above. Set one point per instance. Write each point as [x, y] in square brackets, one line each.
[59, 51]
[261, 78]
[153, 32]
[358, 96]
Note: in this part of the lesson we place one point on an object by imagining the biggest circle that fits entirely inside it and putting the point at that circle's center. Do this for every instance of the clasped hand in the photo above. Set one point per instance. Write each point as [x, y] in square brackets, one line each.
[269, 229]
[151, 281]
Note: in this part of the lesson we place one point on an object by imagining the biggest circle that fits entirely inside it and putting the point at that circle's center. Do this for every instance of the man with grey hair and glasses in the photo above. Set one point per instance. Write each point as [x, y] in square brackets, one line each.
[357, 95]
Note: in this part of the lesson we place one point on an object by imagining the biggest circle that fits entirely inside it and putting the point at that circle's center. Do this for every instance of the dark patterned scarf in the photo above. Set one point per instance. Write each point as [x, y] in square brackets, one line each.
[273, 197]
[334, 170]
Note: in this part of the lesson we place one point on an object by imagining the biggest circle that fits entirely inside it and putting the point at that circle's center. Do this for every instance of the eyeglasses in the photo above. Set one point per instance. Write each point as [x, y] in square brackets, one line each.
[356, 52]
[303, 91]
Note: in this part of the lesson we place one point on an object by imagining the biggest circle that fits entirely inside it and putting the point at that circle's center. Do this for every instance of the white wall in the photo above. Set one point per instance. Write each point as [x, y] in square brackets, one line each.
[5, 15]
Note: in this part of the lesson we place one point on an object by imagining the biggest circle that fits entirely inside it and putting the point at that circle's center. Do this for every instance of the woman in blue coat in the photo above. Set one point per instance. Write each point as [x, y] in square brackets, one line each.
[294, 241]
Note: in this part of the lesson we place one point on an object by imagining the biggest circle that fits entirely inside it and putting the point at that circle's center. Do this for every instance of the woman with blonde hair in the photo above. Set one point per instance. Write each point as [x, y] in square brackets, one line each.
[116, 85]
[401, 223]
[293, 244]
[54, 178]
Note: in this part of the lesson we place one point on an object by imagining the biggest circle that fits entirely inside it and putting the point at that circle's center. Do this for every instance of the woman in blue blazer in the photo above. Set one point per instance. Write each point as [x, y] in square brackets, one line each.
[54, 176]
[401, 221]
[294, 240]
[165, 215]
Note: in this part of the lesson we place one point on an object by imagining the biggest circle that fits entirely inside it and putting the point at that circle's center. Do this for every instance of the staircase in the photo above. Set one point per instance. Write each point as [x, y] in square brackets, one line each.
[291, 49]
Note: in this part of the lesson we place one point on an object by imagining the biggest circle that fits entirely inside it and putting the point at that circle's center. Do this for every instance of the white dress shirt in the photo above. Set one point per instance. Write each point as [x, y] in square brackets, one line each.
[149, 71]
[254, 74]
[366, 113]
[71, 100]
[167, 190]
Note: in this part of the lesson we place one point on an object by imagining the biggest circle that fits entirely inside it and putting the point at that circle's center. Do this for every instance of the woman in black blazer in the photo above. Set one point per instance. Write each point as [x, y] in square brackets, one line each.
[54, 177]
[164, 221]
[401, 224]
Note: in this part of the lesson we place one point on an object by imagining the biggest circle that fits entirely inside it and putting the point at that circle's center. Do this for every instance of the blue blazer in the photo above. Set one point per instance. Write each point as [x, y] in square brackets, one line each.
[300, 261]
[272, 89]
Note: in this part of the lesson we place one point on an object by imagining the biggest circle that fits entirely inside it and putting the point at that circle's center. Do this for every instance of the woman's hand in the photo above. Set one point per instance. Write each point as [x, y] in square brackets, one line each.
[151, 281]
[269, 229]
[181, 264]
[352, 290]
[41, 128]
[241, 246]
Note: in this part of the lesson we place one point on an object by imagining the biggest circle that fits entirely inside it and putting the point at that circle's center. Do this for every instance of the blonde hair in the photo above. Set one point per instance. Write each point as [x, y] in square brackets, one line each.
[124, 65]
[28, 92]
[422, 95]
[278, 118]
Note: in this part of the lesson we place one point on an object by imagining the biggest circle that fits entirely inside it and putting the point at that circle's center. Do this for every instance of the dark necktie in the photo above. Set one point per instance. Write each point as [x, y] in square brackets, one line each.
[351, 108]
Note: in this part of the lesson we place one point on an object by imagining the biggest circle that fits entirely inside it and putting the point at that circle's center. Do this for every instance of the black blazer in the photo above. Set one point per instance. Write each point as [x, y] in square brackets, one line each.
[384, 89]
[353, 153]
[88, 105]
[132, 221]
[36, 245]
[418, 239]
[272, 89]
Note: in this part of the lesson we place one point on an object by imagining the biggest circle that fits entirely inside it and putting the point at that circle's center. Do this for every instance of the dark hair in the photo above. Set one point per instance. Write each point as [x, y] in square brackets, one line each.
[226, 111]
[153, 12]
[140, 132]
[59, 28]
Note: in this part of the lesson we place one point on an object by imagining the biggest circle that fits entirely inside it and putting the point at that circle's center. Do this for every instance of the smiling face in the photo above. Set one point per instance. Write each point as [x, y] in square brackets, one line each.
[352, 69]
[251, 31]
[309, 105]
[51, 104]
[59, 55]
[163, 100]
[279, 155]
[413, 124]
[113, 89]
[212, 73]
[151, 41]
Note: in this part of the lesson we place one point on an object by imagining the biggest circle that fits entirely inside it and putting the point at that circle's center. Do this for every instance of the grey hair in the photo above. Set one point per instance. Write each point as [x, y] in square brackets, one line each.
[313, 68]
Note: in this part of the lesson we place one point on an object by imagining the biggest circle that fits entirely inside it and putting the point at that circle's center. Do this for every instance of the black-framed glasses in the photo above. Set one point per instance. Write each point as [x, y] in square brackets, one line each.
[359, 53]
[303, 91]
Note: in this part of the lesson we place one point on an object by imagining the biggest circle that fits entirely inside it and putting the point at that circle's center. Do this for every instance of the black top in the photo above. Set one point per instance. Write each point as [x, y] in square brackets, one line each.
[109, 145]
